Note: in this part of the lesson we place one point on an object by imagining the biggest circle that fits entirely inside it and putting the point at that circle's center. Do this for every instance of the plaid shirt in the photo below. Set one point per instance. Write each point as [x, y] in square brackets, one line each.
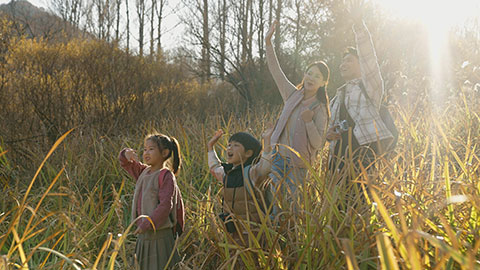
[369, 126]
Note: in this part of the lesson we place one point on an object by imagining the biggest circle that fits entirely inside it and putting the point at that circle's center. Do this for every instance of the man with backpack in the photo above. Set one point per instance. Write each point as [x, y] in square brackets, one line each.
[360, 127]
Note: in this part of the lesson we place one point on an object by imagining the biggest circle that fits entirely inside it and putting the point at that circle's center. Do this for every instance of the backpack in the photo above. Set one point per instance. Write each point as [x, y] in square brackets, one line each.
[178, 214]
[266, 191]
[386, 117]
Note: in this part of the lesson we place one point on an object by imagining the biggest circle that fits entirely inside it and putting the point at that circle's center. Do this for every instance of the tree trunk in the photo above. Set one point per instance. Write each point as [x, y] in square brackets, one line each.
[128, 26]
[152, 29]
[160, 6]
[117, 27]
[223, 25]
[278, 15]
[140, 8]
[205, 43]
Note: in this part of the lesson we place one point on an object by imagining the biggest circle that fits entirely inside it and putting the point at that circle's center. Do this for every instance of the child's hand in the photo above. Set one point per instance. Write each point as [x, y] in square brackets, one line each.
[214, 139]
[138, 231]
[131, 155]
[268, 36]
[267, 135]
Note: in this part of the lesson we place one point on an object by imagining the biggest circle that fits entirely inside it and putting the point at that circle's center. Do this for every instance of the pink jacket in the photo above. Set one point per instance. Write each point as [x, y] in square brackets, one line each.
[307, 138]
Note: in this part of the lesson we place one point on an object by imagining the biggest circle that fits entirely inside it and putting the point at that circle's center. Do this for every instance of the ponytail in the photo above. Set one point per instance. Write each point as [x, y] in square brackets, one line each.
[175, 150]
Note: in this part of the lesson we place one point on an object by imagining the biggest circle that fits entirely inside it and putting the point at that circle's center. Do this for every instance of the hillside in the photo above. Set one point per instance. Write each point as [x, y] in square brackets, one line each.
[36, 22]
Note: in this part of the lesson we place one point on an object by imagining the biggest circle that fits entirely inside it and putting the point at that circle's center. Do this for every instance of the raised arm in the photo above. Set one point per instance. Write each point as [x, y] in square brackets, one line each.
[213, 162]
[371, 75]
[129, 162]
[285, 87]
[259, 171]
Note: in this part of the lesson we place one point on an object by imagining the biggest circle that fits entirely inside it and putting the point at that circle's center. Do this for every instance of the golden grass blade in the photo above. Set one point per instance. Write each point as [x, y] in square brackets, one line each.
[390, 225]
[53, 247]
[119, 242]
[385, 250]
[352, 263]
[106, 244]
[21, 252]
[40, 202]
[456, 255]
[65, 258]
[55, 145]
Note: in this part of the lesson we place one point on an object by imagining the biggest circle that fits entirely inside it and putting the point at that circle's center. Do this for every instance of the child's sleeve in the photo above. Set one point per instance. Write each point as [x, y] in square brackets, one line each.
[259, 171]
[133, 168]
[214, 164]
[165, 198]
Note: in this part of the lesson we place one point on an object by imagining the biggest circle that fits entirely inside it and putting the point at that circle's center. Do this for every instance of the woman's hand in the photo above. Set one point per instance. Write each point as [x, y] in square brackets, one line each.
[131, 155]
[307, 115]
[214, 139]
[332, 134]
[268, 37]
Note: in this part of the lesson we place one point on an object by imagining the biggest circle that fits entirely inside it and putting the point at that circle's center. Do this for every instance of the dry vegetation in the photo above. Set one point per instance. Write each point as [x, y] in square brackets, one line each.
[66, 199]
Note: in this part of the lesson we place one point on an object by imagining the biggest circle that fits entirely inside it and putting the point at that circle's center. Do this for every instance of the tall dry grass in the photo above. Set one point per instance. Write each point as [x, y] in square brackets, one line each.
[418, 208]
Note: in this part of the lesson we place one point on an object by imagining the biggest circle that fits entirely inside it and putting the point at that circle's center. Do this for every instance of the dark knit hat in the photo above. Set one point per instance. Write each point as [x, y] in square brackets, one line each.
[249, 143]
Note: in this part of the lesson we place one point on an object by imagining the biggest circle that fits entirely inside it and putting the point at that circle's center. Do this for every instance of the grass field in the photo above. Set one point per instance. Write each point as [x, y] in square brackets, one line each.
[422, 210]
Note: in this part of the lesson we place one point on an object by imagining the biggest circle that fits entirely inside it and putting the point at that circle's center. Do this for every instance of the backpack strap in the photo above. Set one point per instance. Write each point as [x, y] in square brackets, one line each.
[367, 97]
[246, 176]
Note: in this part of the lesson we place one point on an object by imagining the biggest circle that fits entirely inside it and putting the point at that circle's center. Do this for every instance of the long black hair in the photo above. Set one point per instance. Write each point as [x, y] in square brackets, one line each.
[170, 143]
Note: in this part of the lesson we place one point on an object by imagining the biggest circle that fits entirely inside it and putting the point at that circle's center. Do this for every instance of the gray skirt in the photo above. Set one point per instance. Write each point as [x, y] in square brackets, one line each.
[153, 249]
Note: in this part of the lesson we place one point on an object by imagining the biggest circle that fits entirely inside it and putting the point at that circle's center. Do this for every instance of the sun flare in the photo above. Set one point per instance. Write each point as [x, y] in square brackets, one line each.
[438, 18]
[433, 13]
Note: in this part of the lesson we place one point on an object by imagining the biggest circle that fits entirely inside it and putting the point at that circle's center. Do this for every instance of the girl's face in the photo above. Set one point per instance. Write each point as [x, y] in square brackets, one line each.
[236, 153]
[313, 79]
[152, 155]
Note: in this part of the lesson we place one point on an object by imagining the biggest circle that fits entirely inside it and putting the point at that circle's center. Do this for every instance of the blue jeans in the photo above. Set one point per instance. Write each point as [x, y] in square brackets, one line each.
[286, 177]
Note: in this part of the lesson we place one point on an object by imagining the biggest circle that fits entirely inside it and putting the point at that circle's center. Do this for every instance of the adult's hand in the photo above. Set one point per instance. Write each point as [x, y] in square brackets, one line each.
[332, 134]
[268, 36]
[307, 115]
[356, 9]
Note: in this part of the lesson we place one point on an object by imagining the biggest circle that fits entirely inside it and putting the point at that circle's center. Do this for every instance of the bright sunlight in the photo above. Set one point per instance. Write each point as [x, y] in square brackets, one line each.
[438, 18]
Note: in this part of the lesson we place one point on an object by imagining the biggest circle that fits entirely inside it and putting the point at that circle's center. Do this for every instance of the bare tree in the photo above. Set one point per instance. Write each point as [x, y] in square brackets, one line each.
[141, 9]
[118, 6]
[152, 28]
[206, 42]
[222, 35]
[128, 25]
[260, 33]
[160, 7]
[278, 15]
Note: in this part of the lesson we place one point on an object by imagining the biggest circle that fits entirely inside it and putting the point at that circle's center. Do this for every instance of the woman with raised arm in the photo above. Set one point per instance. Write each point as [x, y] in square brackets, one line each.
[301, 128]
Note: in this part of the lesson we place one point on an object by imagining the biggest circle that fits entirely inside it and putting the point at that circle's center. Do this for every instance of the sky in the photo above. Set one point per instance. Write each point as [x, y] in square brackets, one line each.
[171, 37]
[447, 13]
